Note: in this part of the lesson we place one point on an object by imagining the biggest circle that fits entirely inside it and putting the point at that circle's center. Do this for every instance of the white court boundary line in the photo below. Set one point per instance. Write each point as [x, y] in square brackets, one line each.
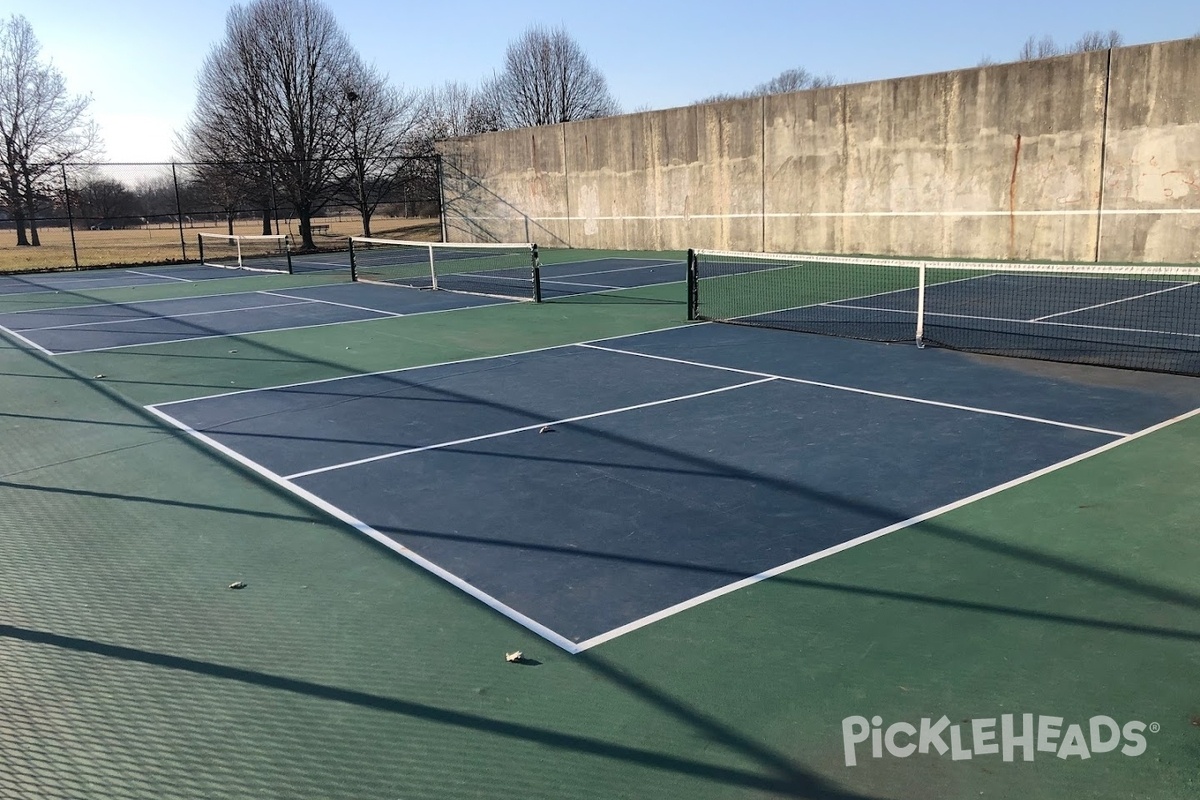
[868, 392]
[69, 289]
[75, 278]
[1114, 302]
[607, 271]
[156, 275]
[556, 282]
[132, 303]
[213, 336]
[522, 429]
[27, 341]
[558, 297]
[256, 332]
[560, 640]
[364, 528]
[332, 303]
[1046, 322]
[155, 318]
[382, 315]
[868, 537]
[414, 367]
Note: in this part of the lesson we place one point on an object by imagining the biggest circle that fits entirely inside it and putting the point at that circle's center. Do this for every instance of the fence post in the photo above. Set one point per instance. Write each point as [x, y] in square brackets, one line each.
[179, 211]
[70, 214]
[441, 181]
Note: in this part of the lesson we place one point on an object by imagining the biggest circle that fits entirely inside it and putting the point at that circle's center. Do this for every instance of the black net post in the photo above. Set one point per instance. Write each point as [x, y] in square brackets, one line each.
[200, 245]
[693, 310]
[287, 253]
[353, 263]
[537, 275]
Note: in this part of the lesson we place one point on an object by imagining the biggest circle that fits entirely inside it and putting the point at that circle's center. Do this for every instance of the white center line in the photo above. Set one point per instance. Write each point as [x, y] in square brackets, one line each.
[332, 303]
[855, 390]
[522, 429]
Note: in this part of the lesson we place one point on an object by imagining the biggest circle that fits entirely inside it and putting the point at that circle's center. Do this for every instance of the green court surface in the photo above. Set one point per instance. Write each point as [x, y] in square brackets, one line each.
[129, 668]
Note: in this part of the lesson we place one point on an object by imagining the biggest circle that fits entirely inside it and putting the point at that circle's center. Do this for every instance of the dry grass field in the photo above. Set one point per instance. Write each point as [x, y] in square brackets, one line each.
[161, 245]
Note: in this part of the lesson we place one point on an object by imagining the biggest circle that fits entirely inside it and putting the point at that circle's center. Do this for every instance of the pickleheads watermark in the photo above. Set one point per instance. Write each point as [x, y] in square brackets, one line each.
[1007, 736]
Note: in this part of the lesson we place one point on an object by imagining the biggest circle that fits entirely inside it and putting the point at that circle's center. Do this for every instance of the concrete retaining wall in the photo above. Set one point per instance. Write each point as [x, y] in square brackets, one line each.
[1078, 158]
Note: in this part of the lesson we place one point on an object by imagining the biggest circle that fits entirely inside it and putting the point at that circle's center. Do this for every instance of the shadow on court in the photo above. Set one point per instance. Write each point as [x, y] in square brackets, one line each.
[776, 772]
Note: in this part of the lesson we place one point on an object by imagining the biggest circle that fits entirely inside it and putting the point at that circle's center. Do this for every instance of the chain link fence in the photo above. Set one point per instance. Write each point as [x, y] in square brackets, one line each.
[94, 215]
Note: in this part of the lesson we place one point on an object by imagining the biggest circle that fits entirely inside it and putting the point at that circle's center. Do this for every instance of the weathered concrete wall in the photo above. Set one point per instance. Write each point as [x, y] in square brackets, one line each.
[1152, 162]
[509, 186]
[1090, 156]
[663, 180]
[970, 164]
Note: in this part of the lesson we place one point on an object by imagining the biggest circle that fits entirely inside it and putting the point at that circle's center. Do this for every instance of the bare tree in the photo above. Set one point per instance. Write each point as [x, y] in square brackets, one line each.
[794, 80]
[41, 126]
[1097, 40]
[273, 92]
[380, 123]
[106, 203]
[547, 79]
[1046, 47]
[1035, 48]
[452, 110]
[790, 80]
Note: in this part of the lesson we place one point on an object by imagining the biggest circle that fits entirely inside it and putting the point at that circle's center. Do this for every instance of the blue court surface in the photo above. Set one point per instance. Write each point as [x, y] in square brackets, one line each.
[1137, 322]
[87, 328]
[588, 490]
[605, 274]
[90, 279]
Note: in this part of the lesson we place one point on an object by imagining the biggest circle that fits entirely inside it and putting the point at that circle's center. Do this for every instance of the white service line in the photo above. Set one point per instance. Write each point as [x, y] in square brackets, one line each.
[26, 340]
[556, 298]
[554, 282]
[454, 362]
[523, 428]
[331, 303]
[1042, 321]
[133, 303]
[1114, 302]
[937, 512]
[216, 336]
[97, 323]
[364, 528]
[295, 262]
[155, 275]
[856, 390]
[606, 271]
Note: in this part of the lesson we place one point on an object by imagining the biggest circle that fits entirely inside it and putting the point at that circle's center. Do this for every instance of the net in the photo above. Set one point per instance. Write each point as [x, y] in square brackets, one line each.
[257, 253]
[507, 271]
[1134, 317]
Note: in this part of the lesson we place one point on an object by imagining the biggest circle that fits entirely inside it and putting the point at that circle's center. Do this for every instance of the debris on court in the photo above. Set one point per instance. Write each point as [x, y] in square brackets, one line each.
[237, 585]
[514, 657]
[546, 429]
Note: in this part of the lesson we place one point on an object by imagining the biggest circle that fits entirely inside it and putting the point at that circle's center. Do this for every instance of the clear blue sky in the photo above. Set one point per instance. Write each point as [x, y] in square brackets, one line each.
[139, 59]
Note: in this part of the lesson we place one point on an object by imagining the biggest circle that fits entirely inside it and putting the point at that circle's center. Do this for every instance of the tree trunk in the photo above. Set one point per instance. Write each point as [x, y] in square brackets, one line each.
[31, 204]
[19, 221]
[13, 187]
[306, 237]
[229, 221]
[366, 221]
[266, 222]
